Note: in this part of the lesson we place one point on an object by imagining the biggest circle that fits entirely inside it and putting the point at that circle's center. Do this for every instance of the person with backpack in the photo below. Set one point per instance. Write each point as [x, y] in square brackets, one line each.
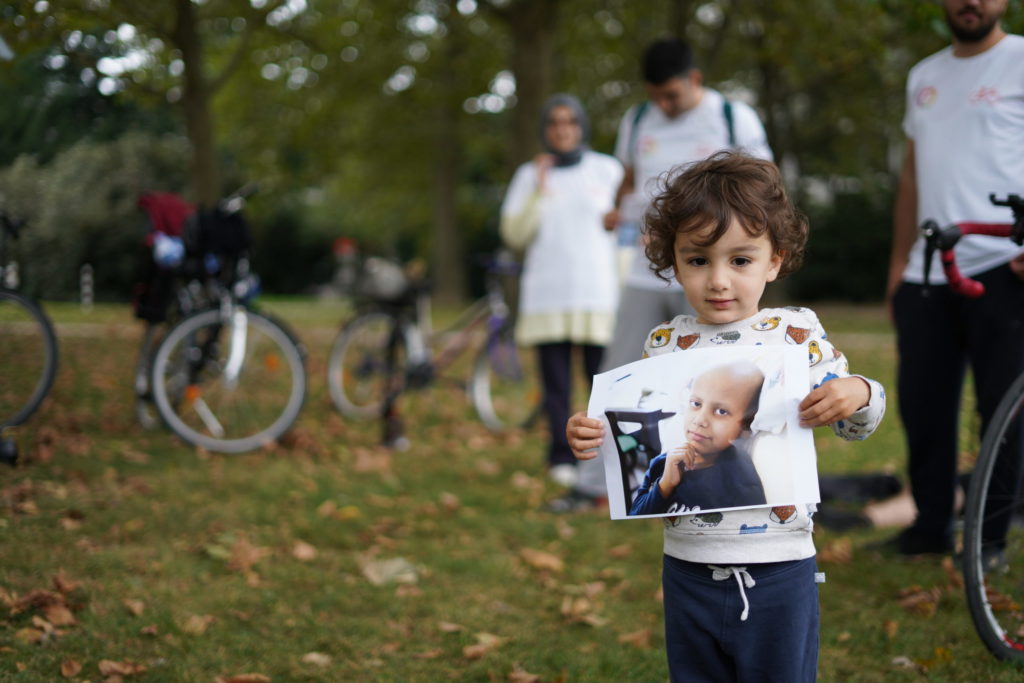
[681, 122]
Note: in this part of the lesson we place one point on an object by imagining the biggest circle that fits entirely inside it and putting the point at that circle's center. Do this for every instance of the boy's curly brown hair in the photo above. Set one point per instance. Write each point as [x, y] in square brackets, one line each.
[711, 193]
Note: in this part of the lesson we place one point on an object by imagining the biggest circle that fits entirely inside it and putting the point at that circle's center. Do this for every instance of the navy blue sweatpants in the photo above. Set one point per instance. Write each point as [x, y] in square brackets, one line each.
[706, 640]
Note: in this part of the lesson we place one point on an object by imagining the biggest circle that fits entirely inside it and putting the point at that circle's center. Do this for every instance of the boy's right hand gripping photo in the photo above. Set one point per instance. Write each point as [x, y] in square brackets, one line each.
[585, 434]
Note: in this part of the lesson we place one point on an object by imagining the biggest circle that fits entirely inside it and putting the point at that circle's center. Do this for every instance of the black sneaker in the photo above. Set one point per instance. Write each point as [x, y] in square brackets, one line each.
[575, 501]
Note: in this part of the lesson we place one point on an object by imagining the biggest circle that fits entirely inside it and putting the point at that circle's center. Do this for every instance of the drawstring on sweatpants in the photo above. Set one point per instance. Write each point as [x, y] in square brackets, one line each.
[742, 577]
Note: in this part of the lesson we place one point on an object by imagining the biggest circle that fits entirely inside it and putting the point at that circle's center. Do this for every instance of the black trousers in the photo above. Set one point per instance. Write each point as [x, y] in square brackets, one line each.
[938, 334]
[556, 377]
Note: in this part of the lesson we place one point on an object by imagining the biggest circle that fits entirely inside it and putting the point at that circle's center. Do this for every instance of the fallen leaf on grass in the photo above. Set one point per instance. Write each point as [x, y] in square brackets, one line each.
[29, 635]
[394, 570]
[942, 656]
[839, 551]
[136, 607]
[843, 637]
[581, 610]
[70, 668]
[196, 624]
[520, 675]
[920, 601]
[429, 654]
[904, 662]
[523, 481]
[488, 467]
[485, 643]
[619, 551]
[70, 521]
[371, 460]
[303, 552]
[36, 599]
[956, 579]
[891, 628]
[449, 627]
[405, 590]
[243, 678]
[109, 667]
[544, 561]
[1000, 602]
[449, 501]
[244, 555]
[316, 659]
[59, 615]
[640, 639]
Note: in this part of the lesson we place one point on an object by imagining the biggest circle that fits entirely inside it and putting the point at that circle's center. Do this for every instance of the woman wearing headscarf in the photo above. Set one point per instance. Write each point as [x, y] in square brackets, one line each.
[569, 287]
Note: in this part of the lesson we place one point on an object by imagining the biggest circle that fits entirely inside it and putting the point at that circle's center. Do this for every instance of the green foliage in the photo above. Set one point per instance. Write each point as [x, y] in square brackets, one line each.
[365, 119]
[81, 208]
[847, 254]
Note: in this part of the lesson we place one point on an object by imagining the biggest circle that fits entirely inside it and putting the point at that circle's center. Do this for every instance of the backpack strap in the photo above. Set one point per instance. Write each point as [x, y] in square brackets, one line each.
[641, 109]
[727, 113]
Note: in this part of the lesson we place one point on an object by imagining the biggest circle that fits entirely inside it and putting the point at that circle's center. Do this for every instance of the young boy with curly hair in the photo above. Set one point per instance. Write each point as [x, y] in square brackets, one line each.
[725, 228]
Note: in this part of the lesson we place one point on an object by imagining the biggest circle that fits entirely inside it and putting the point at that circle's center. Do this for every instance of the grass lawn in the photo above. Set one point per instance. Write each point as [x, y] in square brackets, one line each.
[127, 553]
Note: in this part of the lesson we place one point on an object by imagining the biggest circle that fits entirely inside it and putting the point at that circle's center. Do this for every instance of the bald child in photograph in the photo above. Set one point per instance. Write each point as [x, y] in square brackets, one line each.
[709, 471]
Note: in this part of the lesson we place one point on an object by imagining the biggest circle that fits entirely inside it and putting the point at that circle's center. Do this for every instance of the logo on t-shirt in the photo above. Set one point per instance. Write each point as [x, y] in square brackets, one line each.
[984, 95]
[926, 96]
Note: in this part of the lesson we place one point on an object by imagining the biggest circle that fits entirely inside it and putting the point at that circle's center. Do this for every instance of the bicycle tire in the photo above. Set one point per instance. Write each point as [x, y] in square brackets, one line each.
[29, 357]
[198, 399]
[995, 592]
[504, 386]
[368, 356]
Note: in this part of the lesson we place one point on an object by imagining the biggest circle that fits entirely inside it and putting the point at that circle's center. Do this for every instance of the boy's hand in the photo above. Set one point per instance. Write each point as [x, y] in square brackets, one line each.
[834, 400]
[585, 434]
[676, 462]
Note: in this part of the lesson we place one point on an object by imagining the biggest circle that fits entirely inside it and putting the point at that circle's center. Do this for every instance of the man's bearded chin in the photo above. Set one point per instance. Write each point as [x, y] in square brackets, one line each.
[970, 35]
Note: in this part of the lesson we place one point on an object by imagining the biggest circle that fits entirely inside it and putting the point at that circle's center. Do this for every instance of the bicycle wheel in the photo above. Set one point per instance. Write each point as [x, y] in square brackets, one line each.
[368, 355]
[28, 357]
[228, 384]
[504, 386]
[993, 555]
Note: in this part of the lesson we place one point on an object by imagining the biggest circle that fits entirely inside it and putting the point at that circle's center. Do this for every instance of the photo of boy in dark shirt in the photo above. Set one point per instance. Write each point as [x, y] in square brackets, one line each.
[709, 471]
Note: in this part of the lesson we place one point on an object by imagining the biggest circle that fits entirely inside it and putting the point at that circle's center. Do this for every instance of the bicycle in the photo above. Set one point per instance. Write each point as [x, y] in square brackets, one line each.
[993, 538]
[225, 377]
[28, 343]
[389, 348]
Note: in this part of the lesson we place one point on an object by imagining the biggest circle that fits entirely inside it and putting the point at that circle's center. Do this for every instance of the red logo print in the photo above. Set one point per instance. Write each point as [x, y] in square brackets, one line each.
[984, 95]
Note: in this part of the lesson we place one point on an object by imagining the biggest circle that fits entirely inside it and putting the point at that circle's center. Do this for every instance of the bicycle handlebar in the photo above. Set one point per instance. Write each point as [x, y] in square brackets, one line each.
[945, 239]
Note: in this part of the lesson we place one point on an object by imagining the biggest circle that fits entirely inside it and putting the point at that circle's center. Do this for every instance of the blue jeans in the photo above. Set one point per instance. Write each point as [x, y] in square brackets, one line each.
[706, 640]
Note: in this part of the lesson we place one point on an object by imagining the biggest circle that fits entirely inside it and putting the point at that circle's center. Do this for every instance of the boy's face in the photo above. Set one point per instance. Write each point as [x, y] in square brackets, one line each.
[717, 411]
[724, 281]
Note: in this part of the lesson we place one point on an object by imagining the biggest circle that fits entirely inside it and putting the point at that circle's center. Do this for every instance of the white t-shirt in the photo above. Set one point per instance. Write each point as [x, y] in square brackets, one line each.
[570, 265]
[660, 144]
[966, 118]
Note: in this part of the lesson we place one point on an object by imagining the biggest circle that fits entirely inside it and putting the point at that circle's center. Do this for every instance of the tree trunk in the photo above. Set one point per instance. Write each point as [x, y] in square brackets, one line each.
[533, 26]
[195, 102]
[448, 267]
